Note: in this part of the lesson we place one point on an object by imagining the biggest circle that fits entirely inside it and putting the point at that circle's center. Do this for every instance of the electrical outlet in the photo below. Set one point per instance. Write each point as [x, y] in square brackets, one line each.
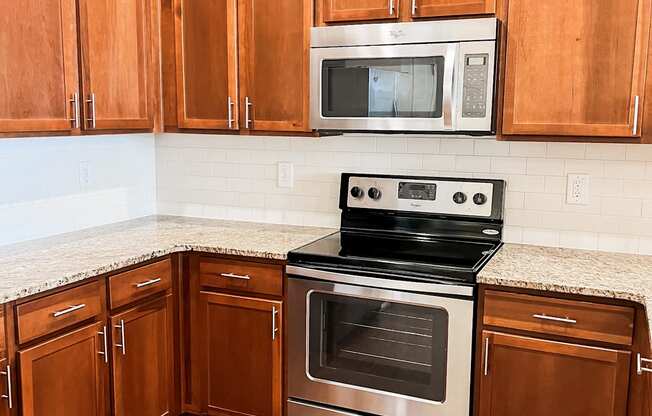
[84, 175]
[285, 175]
[578, 189]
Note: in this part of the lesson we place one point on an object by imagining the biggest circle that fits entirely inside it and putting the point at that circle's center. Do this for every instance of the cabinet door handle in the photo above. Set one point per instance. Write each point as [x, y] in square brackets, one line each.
[148, 283]
[248, 105]
[123, 341]
[640, 361]
[391, 7]
[545, 317]
[414, 7]
[274, 328]
[75, 110]
[637, 102]
[105, 352]
[486, 357]
[8, 397]
[93, 119]
[230, 103]
[236, 276]
[69, 310]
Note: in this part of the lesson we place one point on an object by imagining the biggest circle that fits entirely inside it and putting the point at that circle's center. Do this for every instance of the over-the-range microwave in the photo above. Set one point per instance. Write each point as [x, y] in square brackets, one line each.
[436, 76]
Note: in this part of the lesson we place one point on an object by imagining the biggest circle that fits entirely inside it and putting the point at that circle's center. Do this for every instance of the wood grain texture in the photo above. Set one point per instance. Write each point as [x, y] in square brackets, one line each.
[65, 376]
[595, 322]
[142, 378]
[239, 348]
[206, 77]
[332, 11]
[116, 41]
[440, 8]
[640, 390]
[38, 66]
[264, 278]
[274, 45]
[123, 287]
[541, 378]
[574, 68]
[36, 318]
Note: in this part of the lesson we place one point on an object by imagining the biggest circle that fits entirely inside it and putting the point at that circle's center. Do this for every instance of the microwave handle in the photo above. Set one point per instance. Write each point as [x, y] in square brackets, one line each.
[449, 85]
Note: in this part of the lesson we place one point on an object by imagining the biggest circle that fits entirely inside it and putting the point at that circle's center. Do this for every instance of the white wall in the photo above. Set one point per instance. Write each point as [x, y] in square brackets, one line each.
[41, 193]
[234, 177]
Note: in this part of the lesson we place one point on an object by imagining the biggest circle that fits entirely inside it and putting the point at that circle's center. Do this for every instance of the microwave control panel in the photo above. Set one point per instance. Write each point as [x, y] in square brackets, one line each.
[474, 95]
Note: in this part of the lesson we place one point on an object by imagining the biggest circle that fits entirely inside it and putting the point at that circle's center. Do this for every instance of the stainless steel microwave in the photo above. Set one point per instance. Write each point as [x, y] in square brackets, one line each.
[435, 76]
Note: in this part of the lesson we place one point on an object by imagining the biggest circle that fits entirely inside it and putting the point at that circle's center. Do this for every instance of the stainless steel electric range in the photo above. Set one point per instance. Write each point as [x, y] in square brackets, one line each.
[381, 313]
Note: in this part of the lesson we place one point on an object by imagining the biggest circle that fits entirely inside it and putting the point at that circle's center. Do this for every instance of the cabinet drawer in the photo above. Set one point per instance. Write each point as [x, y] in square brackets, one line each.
[136, 284]
[243, 276]
[52, 313]
[568, 318]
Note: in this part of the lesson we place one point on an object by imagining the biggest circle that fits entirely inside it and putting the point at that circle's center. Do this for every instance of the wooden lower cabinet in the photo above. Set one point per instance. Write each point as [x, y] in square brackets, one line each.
[142, 360]
[522, 375]
[5, 404]
[65, 376]
[243, 348]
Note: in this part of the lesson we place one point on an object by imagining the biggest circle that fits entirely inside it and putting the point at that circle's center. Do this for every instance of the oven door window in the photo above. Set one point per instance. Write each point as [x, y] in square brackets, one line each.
[391, 347]
[383, 88]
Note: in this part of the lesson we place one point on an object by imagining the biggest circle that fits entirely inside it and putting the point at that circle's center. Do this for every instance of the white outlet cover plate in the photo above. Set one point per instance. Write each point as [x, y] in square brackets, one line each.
[285, 175]
[578, 189]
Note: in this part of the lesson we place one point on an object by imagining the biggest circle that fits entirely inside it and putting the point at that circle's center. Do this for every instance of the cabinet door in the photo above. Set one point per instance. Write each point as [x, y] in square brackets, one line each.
[575, 68]
[359, 10]
[243, 351]
[540, 378]
[115, 44]
[65, 376]
[7, 402]
[207, 77]
[435, 8]
[142, 359]
[274, 58]
[38, 66]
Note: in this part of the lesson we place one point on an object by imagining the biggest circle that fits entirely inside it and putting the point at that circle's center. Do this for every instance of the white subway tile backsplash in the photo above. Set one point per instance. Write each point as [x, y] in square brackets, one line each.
[566, 150]
[407, 161]
[588, 167]
[457, 146]
[618, 243]
[486, 147]
[639, 152]
[625, 169]
[508, 165]
[606, 151]
[552, 167]
[543, 202]
[472, 164]
[540, 237]
[626, 207]
[527, 149]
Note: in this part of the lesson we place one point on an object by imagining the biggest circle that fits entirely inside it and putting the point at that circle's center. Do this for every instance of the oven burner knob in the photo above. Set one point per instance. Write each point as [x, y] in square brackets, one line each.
[357, 192]
[479, 199]
[374, 193]
[459, 197]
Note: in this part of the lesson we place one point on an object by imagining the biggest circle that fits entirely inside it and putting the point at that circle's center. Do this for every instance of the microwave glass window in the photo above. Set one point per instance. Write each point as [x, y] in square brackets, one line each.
[383, 88]
[386, 346]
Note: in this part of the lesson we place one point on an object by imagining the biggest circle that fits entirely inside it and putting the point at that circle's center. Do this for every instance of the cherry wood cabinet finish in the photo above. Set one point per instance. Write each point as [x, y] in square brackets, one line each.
[206, 77]
[540, 378]
[65, 376]
[575, 68]
[262, 278]
[37, 317]
[594, 321]
[142, 375]
[130, 286]
[243, 368]
[38, 66]
[3, 336]
[439, 8]
[115, 42]
[274, 54]
[359, 10]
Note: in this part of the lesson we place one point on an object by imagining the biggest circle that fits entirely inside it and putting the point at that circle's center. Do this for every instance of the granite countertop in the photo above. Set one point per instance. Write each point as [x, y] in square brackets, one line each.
[582, 272]
[36, 266]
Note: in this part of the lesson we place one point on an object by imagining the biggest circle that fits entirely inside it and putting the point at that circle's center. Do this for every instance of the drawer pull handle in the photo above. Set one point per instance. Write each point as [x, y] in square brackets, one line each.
[8, 397]
[545, 317]
[640, 361]
[236, 276]
[69, 310]
[148, 283]
[486, 357]
[123, 340]
[274, 327]
[104, 352]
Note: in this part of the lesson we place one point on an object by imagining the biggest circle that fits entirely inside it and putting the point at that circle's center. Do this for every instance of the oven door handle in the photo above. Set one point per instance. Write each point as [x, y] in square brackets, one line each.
[448, 104]
[374, 282]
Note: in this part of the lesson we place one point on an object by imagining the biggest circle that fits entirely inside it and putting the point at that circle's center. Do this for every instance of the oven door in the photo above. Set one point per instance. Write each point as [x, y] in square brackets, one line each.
[379, 351]
[384, 88]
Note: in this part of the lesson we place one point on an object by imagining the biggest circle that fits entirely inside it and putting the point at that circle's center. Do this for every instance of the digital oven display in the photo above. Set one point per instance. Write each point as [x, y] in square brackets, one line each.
[416, 190]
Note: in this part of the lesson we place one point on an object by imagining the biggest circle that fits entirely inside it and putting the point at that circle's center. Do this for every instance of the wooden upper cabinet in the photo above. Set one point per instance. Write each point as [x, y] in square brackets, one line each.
[115, 45]
[65, 376]
[207, 77]
[243, 359]
[274, 51]
[530, 376]
[142, 381]
[575, 68]
[38, 66]
[359, 10]
[436, 8]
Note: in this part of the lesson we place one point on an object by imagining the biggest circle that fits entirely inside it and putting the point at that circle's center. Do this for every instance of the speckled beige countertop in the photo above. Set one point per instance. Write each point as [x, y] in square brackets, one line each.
[582, 272]
[36, 266]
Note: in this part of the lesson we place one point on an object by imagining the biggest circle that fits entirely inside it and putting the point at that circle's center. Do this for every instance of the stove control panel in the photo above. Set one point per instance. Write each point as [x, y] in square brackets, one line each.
[440, 196]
